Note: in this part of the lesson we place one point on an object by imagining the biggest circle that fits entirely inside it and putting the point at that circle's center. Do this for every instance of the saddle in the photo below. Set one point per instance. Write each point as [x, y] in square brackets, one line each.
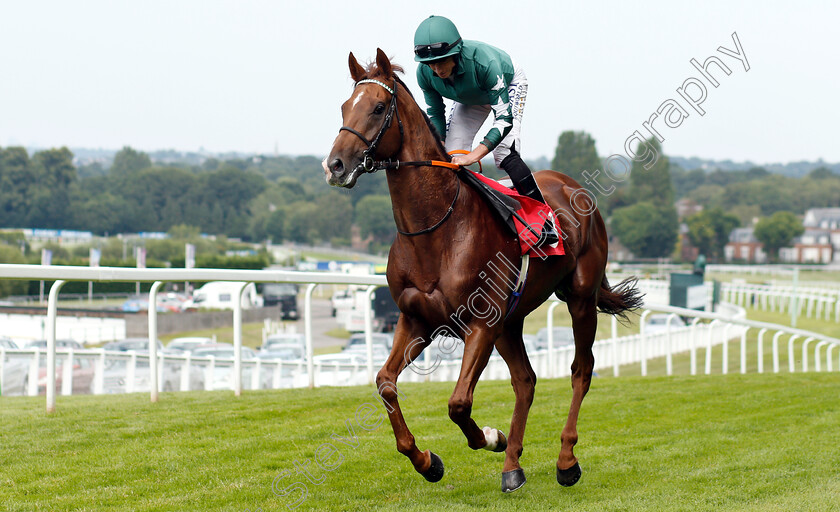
[523, 216]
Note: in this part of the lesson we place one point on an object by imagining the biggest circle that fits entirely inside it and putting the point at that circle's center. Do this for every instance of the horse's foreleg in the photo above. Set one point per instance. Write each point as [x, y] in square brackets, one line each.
[584, 323]
[523, 379]
[409, 342]
[477, 350]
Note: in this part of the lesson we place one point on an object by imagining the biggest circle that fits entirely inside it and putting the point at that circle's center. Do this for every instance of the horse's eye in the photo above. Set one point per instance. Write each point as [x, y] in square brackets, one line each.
[379, 109]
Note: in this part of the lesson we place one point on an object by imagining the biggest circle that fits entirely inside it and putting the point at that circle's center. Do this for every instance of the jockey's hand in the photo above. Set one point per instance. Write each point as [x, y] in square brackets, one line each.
[471, 157]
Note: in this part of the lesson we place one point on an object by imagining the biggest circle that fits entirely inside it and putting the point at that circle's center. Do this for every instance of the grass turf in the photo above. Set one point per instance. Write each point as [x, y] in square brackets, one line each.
[733, 442]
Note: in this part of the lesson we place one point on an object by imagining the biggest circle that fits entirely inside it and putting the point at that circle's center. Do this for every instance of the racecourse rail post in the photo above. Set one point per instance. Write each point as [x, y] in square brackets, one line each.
[369, 330]
[552, 367]
[153, 359]
[760, 349]
[307, 332]
[52, 310]
[614, 331]
[643, 342]
[237, 341]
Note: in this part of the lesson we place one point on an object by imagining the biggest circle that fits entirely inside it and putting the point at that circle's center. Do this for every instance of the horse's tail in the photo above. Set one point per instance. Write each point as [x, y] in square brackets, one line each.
[619, 299]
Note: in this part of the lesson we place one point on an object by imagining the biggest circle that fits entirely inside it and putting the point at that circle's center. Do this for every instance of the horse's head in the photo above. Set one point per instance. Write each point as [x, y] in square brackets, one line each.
[368, 132]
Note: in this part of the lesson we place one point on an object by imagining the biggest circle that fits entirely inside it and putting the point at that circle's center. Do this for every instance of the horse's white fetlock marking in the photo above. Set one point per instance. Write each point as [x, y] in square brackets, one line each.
[491, 435]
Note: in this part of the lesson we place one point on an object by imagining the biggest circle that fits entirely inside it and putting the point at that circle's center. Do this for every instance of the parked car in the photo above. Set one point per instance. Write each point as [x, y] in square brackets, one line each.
[562, 336]
[282, 294]
[116, 373]
[339, 370]
[358, 342]
[188, 344]
[42, 344]
[82, 371]
[658, 322]
[223, 371]
[15, 370]
[447, 348]
[291, 352]
[221, 295]
[137, 344]
[283, 339]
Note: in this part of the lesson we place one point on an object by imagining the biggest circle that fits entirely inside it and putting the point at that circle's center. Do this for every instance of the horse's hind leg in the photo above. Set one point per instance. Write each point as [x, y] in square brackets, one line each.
[523, 379]
[584, 322]
[409, 342]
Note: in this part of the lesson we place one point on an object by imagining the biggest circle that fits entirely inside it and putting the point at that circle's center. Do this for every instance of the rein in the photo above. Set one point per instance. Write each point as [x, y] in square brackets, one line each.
[369, 165]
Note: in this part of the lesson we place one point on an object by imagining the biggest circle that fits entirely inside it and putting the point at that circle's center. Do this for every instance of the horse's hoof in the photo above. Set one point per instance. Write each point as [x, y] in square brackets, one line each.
[513, 480]
[496, 440]
[435, 471]
[568, 477]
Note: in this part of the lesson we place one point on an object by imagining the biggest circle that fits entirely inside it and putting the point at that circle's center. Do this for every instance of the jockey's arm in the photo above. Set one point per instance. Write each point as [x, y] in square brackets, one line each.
[472, 157]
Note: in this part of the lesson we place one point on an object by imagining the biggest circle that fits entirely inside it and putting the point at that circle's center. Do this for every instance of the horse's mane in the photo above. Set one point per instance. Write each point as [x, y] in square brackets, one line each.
[372, 70]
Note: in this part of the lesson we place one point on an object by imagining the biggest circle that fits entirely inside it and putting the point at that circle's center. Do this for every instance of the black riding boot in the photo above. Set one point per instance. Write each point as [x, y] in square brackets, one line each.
[526, 185]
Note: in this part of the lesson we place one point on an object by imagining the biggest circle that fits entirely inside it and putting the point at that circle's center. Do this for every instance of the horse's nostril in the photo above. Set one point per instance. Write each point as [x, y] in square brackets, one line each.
[337, 165]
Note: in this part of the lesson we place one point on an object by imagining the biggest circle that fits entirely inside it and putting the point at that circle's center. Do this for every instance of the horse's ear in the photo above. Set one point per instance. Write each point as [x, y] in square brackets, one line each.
[357, 72]
[384, 63]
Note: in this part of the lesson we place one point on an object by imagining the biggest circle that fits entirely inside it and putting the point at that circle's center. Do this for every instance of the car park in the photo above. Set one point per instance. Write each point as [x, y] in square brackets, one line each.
[283, 339]
[358, 341]
[562, 336]
[136, 344]
[223, 366]
[42, 344]
[188, 344]
[115, 379]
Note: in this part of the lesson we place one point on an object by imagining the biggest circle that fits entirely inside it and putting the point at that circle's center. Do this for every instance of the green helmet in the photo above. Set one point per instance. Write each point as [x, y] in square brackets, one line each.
[436, 38]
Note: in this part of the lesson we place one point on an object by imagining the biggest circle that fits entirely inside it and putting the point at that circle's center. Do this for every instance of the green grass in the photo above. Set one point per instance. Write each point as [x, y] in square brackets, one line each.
[754, 442]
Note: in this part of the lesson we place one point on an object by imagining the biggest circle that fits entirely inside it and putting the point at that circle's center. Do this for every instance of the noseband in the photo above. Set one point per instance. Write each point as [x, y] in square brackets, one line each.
[368, 164]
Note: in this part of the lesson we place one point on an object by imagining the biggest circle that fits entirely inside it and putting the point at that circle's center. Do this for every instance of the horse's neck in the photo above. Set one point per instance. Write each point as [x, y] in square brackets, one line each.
[421, 196]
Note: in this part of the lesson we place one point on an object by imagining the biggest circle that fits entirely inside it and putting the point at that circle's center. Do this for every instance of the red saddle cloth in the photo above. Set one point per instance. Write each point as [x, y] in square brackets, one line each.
[534, 213]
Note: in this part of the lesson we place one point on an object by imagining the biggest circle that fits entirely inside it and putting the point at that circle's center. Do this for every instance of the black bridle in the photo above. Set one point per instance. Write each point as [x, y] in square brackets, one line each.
[369, 165]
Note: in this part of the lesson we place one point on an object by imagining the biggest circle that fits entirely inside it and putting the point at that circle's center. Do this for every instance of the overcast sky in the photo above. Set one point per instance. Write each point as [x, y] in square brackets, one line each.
[249, 75]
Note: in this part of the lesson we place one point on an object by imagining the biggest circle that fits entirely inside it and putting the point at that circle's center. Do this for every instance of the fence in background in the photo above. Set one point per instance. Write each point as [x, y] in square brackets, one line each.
[698, 338]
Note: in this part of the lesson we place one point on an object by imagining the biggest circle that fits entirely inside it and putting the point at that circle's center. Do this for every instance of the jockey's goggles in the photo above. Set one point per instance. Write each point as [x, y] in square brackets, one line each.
[424, 51]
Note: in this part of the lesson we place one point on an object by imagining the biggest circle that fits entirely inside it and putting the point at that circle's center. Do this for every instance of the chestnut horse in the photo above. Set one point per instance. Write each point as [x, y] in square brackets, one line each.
[438, 268]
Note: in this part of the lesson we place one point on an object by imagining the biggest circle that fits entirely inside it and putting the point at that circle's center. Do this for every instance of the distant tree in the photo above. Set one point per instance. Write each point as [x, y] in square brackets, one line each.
[374, 216]
[709, 231]
[574, 154]
[299, 225]
[746, 213]
[11, 254]
[777, 231]
[128, 161]
[54, 173]
[335, 214]
[184, 232]
[16, 181]
[821, 173]
[654, 184]
[686, 181]
[650, 231]
[274, 225]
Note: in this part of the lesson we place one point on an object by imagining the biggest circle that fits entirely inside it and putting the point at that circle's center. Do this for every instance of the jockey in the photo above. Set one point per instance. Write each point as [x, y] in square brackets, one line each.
[480, 79]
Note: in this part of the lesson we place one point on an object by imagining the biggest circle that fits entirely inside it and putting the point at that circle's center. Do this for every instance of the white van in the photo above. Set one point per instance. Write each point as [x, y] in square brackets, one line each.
[221, 294]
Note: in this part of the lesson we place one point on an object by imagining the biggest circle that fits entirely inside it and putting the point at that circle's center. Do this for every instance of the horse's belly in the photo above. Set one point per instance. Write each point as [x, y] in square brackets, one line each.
[431, 307]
